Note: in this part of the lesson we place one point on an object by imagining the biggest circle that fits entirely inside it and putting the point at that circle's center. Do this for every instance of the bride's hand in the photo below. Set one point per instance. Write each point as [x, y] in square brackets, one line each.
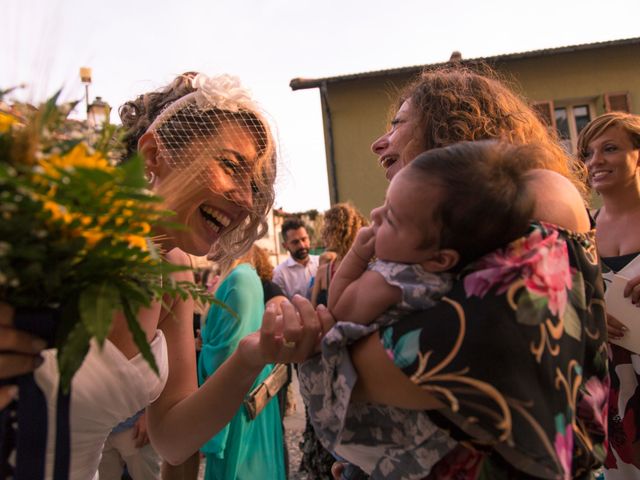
[288, 338]
[19, 353]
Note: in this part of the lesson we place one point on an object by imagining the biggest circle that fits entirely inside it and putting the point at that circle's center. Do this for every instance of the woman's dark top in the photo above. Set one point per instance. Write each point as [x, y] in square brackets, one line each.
[323, 295]
[619, 262]
[271, 290]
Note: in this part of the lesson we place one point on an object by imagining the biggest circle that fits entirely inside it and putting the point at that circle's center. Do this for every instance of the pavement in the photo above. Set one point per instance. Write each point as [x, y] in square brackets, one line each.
[294, 422]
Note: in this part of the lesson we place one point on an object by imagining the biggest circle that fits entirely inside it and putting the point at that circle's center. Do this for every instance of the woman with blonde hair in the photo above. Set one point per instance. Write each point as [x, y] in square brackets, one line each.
[209, 153]
[609, 146]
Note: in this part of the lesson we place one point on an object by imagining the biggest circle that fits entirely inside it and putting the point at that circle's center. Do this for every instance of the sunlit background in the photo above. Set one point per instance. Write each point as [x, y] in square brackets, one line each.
[134, 46]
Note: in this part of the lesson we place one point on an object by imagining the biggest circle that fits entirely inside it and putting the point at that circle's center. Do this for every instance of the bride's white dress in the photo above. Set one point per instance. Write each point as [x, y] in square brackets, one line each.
[107, 389]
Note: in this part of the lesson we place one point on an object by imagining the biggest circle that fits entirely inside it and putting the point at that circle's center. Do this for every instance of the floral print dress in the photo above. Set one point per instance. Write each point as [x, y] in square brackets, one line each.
[517, 350]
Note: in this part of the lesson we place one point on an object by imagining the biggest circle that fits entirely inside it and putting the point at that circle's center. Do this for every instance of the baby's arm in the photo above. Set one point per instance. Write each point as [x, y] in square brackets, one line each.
[356, 294]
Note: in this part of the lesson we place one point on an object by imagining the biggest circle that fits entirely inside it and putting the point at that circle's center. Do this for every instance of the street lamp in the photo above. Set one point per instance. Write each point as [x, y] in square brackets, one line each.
[98, 113]
[85, 77]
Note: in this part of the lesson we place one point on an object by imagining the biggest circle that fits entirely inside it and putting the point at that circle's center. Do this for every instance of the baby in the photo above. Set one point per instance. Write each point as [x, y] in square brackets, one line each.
[447, 208]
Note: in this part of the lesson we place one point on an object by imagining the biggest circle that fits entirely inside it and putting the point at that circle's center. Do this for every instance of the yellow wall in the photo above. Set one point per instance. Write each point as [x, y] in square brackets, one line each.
[360, 107]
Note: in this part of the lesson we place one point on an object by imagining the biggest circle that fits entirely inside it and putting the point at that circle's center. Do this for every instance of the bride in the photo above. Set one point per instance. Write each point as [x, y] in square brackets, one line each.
[210, 154]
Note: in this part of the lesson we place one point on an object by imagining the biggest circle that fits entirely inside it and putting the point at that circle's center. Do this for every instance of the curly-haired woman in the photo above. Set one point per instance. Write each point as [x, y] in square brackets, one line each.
[341, 224]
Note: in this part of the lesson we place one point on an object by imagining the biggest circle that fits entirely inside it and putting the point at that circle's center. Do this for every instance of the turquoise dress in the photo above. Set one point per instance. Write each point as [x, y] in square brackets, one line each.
[244, 449]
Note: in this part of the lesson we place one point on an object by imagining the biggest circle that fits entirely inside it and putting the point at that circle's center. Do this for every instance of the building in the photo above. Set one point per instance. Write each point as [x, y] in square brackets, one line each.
[568, 85]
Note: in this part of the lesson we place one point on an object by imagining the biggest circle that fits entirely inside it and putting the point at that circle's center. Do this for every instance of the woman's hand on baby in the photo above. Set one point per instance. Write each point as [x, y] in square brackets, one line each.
[290, 337]
[615, 328]
[632, 289]
[365, 243]
[19, 353]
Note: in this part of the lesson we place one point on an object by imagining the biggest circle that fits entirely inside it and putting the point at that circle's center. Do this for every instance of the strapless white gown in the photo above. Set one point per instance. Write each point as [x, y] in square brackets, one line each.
[107, 389]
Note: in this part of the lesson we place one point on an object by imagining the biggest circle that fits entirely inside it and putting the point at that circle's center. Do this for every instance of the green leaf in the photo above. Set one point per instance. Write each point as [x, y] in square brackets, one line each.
[139, 336]
[406, 349]
[137, 294]
[572, 323]
[97, 304]
[532, 309]
[133, 170]
[71, 354]
[577, 290]
[50, 109]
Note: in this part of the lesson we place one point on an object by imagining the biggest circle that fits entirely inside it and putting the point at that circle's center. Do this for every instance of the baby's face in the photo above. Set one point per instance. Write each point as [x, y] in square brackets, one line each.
[405, 228]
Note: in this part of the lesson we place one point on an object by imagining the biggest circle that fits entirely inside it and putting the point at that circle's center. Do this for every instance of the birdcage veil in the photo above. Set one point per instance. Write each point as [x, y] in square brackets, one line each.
[217, 135]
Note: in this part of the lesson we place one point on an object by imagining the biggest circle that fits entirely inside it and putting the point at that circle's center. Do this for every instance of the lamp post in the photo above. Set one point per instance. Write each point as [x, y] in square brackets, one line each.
[98, 113]
[85, 77]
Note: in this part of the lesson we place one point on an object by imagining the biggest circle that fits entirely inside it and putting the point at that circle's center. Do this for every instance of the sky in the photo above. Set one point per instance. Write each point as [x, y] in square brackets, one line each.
[135, 46]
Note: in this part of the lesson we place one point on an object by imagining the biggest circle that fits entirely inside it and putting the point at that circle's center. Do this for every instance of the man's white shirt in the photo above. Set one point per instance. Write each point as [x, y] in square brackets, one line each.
[294, 278]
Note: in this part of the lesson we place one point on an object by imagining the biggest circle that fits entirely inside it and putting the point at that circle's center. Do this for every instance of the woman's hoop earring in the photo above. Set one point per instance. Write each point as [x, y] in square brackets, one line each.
[151, 177]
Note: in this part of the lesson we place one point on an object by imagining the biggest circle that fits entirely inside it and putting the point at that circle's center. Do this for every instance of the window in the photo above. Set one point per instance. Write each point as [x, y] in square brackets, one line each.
[617, 102]
[570, 120]
[545, 112]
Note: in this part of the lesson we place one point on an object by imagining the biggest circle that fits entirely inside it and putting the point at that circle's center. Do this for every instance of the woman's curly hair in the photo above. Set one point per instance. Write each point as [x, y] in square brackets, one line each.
[260, 261]
[138, 115]
[457, 103]
[341, 224]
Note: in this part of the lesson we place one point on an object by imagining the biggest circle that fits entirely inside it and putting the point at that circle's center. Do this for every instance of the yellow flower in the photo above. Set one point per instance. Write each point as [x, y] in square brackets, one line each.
[92, 237]
[58, 212]
[137, 241]
[84, 220]
[7, 121]
[145, 227]
[77, 157]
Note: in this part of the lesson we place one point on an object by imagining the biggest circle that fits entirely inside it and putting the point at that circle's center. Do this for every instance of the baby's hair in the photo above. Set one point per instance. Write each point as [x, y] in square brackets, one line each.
[484, 203]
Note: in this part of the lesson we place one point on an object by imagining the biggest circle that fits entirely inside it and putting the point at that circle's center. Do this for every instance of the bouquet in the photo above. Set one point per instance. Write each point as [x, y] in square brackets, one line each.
[74, 230]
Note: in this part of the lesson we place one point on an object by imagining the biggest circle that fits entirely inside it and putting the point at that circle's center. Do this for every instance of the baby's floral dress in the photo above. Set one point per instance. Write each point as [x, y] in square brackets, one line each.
[517, 351]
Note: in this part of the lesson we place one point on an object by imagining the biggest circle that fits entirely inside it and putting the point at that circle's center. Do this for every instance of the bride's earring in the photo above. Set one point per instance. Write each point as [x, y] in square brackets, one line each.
[151, 178]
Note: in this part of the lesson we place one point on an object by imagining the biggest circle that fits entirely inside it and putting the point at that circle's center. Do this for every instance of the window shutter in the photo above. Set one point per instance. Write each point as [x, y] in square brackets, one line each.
[617, 102]
[545, 112]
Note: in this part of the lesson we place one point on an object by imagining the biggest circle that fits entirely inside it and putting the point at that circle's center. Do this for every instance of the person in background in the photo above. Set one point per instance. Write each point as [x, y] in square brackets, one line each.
[341, 224]
[273, 294]
[609, 146]
[295, 274]
[244, 449]
[272, 291]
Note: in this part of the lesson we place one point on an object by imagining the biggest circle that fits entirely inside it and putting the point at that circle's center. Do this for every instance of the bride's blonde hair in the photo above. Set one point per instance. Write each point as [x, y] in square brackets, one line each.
[187, 114]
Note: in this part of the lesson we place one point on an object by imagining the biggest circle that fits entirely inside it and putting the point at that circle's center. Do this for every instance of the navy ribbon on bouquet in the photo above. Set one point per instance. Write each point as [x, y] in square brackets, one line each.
[30, 412]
